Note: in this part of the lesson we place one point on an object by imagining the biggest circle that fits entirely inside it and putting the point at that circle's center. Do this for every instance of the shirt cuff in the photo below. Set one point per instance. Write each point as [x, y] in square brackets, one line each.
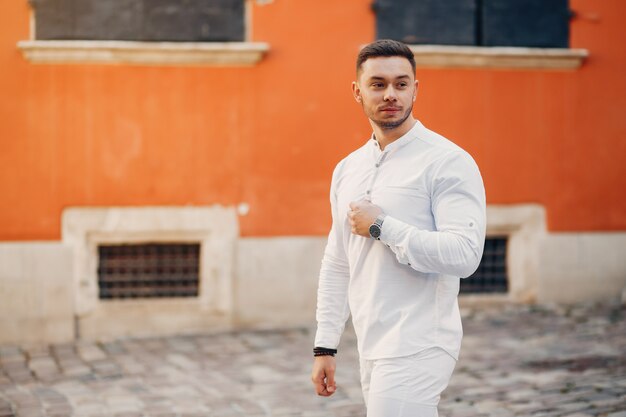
[327, 339]
[392, 230]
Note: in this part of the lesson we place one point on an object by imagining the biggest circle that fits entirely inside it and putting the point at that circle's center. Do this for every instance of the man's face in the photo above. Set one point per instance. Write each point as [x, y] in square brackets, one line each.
[386, 88]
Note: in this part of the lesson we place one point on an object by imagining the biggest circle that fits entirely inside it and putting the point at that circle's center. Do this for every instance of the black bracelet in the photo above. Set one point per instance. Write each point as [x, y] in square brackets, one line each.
[321, 351]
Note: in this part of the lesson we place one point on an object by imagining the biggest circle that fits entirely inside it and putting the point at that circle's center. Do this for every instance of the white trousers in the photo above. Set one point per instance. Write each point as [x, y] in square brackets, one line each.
[408, 386]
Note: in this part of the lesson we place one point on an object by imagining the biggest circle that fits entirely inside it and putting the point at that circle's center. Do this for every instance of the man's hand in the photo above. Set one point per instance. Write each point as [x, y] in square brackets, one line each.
[362, 214]
[323, 375]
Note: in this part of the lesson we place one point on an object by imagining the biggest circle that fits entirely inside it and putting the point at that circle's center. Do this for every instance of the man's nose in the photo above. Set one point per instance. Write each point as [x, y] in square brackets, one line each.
[390, 94]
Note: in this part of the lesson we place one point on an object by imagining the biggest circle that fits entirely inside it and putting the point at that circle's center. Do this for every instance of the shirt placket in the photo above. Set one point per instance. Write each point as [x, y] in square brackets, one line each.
[370, 186]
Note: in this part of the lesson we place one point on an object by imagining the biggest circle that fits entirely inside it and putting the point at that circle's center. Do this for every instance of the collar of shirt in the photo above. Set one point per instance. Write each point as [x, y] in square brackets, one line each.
[398, 143]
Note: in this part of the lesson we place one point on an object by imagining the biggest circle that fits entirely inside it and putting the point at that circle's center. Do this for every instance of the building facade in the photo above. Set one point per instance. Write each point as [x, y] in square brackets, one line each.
[219, 127]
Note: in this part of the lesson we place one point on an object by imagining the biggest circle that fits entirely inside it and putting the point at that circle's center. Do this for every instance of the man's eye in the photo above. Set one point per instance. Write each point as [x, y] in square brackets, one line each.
[377, 85]
[402, 85]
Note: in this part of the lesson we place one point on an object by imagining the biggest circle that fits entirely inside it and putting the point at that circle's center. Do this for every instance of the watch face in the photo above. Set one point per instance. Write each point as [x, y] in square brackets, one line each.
[375, 231]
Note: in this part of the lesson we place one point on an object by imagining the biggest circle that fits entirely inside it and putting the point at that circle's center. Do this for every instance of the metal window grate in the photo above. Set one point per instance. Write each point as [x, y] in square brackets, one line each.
[148, 270]
[491, 275]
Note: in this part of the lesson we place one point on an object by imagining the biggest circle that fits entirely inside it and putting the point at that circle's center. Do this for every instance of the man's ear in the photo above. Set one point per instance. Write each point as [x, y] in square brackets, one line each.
[415, 91]
[356, 92]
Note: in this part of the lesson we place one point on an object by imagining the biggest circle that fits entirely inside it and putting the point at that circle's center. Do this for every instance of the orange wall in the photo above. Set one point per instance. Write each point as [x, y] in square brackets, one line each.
[269, 135]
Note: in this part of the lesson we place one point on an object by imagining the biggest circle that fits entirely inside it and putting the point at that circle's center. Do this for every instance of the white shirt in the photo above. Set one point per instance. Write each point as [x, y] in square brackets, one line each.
[402, 289]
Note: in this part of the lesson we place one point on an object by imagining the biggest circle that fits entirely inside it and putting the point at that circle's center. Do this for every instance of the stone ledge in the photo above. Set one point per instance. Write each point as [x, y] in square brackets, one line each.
[444, 56]
[143, 53]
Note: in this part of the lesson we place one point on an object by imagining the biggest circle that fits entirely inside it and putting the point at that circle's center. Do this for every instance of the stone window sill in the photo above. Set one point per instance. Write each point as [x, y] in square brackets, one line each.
[143, 53]
[443, 56]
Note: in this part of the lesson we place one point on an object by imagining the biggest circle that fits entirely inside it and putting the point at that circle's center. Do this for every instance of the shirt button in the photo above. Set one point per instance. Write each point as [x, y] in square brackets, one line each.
[368, 191]
[409, 264]
[377, 165]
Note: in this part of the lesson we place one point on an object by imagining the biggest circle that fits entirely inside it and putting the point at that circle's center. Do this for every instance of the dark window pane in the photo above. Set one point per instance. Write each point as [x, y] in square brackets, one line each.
[148, 20]
[103, 20]
[194, 20]
[54, 19]
[532, 23]
[451, 22]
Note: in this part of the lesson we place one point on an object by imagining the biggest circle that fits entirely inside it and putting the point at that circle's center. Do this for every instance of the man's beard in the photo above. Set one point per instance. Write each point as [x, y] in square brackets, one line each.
[392, 125]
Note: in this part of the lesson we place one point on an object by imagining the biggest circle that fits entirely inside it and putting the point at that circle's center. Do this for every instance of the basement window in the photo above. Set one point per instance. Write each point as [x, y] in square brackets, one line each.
[151, 270]
[491, 275]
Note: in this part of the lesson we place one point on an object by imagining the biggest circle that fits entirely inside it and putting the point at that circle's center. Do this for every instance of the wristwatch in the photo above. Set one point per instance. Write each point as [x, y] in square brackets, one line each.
[376, 227]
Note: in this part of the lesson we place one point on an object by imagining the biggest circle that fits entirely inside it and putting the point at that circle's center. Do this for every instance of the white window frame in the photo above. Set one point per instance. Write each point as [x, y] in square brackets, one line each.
[145, 53]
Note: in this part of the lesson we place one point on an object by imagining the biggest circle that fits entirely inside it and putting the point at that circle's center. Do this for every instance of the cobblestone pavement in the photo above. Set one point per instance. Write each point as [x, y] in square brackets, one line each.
[515, 361]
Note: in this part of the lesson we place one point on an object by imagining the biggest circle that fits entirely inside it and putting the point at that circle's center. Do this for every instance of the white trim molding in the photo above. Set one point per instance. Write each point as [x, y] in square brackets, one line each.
[214, 228]
[143, 53]
[446, 56]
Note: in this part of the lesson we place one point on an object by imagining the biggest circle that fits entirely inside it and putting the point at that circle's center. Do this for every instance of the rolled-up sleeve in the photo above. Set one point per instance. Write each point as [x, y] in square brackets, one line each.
[459, 209]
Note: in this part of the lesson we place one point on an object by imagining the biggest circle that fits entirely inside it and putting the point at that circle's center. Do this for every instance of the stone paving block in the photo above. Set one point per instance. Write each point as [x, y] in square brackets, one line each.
[42, 362]
[5, 408]
[578, 415]
[107, 370]
[30, 413]
[15, 367]
[9, 360]
[61, 409]
[36, 351]
[156, 409]
[182, 361]
[76, 370]
[85, 409]
[90, 352]
[180, 344]
[9, 350]
[113, 348]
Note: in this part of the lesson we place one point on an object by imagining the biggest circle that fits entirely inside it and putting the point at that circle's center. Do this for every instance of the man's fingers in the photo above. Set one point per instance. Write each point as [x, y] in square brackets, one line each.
[330, 381]
[320, 389]
[354, 205]
[320, 381]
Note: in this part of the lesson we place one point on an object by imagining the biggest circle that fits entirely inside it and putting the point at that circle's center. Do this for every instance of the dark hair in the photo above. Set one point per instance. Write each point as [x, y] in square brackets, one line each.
[384, 47]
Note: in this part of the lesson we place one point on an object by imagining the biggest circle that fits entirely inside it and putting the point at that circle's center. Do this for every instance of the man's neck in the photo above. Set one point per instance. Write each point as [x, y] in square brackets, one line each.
[387, 136]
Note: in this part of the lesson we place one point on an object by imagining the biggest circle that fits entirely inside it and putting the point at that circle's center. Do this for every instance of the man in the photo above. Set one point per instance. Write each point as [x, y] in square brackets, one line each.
[408, 220]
